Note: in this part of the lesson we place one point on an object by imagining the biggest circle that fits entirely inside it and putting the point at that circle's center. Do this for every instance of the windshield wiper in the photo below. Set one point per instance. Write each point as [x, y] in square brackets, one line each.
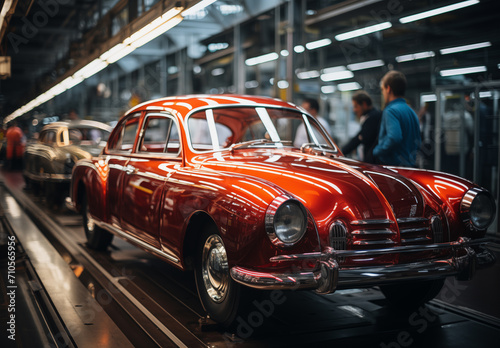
[322, 147]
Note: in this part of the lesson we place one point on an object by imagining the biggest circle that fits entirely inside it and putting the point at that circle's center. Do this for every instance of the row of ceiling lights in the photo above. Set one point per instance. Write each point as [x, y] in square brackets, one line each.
[171, 18]
[343, 72]
[146, 34]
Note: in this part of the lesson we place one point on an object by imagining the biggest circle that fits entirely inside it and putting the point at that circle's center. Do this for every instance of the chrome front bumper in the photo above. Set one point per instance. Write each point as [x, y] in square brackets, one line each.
[329, 276]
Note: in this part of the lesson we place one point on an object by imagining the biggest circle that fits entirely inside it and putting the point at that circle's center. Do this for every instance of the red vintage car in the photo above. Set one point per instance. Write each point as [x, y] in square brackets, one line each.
[216, 184]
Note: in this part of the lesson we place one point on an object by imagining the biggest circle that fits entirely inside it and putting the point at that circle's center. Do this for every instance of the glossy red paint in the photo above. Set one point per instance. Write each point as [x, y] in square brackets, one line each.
[155, 197]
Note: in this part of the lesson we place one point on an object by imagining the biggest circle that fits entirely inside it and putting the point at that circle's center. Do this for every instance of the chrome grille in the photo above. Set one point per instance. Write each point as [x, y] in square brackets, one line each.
[414, 230]
[338, 236]
[372, 233]
[437, 229]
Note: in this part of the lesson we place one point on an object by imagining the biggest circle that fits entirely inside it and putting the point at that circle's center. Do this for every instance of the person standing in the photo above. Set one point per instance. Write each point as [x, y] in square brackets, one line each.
[312, 107]
[15, 147]
[369, 118]
[399, 135]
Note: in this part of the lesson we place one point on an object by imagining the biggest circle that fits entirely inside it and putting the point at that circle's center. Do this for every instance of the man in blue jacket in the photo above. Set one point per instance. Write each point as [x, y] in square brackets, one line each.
[399, 135]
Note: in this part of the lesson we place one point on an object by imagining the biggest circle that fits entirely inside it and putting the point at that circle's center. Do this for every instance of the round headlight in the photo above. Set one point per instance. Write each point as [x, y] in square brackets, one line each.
[286, 221]
[479, 207]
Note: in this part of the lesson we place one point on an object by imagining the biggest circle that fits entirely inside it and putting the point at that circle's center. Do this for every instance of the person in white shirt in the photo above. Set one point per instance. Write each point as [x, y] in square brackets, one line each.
[312, 107]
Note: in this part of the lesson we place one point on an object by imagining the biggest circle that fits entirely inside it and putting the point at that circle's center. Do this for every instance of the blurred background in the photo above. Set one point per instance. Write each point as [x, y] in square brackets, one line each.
[94, 59]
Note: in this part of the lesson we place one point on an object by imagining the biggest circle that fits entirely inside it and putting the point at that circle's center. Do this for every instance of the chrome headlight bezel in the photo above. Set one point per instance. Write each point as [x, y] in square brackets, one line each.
[468, 209]
[273, 211]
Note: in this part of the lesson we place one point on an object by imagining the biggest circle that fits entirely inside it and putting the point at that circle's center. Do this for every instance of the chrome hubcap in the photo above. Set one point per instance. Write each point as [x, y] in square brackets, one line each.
[215, 269]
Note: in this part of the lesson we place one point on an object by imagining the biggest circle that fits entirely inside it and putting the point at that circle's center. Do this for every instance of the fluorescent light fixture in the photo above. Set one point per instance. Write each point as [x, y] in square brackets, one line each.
[284, 53]
[498, 66]
[366, 65]
[328, 89]
[143, 31]
[112, 51]
[363, 31]
[317, 44]
[156, 32]
[465, 48]
[7, 5]
[304, 75]
[425, 98]
[350, 86]
[218, 72]
[56, 90]
[262, 59]
[485, 94]
[283, 84]
[299, 49]
[463, 71]
[71, 82]
[415, 56]
[251, 84]
[153, 25]
[214, 47]
[91, 69]
[339, 75]
[198, 7]
[125, 51]
[333, 69]
[438, 11]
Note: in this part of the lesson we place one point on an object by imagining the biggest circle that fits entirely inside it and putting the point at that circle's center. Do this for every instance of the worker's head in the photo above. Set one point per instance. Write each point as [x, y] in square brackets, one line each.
[311, 106]
[393, 85]
[361, 103]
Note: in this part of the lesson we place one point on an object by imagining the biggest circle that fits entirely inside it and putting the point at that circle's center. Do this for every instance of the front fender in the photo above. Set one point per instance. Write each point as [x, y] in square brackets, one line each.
[237, 205]
[447, 190]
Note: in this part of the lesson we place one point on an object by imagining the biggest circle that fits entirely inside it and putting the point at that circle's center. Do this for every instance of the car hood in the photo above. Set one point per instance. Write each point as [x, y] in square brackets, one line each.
[330, 187]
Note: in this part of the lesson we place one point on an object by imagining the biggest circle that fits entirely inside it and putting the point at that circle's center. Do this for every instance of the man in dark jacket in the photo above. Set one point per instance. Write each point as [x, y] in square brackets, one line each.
[399, 135]
[370, 123]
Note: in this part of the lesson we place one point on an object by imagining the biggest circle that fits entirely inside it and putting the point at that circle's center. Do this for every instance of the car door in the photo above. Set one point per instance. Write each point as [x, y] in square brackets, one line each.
[119, 152]
[156, 156]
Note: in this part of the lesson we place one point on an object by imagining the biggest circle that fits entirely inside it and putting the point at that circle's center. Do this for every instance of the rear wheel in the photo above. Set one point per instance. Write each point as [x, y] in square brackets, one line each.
[219, 294]
[97, 238]
[411, 295]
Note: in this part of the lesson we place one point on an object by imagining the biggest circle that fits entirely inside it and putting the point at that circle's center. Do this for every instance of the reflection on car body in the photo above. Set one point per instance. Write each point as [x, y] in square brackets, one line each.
[215, 184]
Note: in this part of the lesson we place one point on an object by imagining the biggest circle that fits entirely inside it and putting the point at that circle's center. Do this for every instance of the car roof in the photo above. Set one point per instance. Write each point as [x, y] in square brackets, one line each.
[192, 102]
[79, 123]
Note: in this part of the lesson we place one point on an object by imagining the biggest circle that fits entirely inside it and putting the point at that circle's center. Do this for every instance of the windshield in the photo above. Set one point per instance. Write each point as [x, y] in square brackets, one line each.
[87, 136]
[220, 128]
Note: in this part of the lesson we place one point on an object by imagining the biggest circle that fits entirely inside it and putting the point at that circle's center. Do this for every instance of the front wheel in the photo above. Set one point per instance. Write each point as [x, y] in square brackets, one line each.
[97, 238]
[218, 293]
[411, 295]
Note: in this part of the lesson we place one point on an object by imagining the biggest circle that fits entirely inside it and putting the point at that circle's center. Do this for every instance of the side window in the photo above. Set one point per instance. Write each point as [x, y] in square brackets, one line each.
[42, 136]
[61, 137]
[124, 135]
[160, 135]
[49, 137]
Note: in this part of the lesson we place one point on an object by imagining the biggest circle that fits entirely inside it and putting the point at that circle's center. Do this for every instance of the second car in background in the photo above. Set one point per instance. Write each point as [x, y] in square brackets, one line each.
[50, 160]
